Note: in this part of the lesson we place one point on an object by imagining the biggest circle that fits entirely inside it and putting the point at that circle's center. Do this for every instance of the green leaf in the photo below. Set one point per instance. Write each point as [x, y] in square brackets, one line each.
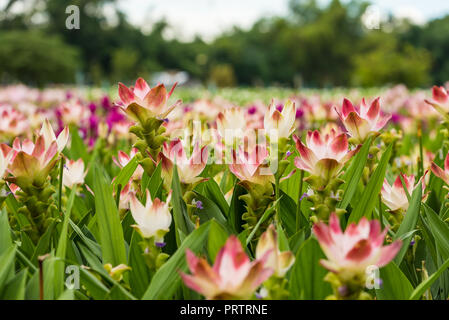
[213, 192]
[288, 214]
[440, 232]
[216, 240]
[78, 148]
[236, 209]
[167, 281]
[62, 247]
[307, 275]
[210, 210]
[15, 288]
[395, 285]
[6, 264]
[423, 286]
[108, 221]
[180, 216]
[5, 232]
[369, 198]
[125, 173]
[409, 223]
[354, 173]
[139, 277]
[43, 245]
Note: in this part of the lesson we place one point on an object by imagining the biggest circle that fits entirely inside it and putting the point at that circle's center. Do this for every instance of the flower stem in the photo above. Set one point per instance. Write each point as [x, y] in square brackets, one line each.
[298, 207]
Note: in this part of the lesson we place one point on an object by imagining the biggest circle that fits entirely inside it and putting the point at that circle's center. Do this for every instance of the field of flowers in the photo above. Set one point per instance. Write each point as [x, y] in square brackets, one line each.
[181, 193]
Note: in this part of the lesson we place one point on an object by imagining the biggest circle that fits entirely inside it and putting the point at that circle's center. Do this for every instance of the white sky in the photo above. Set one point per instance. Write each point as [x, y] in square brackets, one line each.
[211, 17]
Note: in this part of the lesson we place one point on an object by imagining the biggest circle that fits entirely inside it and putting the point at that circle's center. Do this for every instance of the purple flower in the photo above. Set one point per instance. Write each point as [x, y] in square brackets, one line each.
[199, 205]
[252, 110]
[92, 107]
[304, 195]
[280, 107]
[299, 113]
[160, 244]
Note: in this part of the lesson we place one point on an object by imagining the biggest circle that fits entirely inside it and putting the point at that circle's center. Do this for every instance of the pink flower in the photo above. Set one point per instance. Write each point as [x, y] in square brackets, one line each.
[394, 196]
[153, 219]
[349, 253]
[123, 159]
[12, 122]
[281, 121]
[142, 102]
[231, 124]
[363, 122]
[279, 261]
[73, 173]
[31, 163]
[251, 165]
[188, 168]
[233, 275]
[324, 156]
[440, 100]
[440, 173]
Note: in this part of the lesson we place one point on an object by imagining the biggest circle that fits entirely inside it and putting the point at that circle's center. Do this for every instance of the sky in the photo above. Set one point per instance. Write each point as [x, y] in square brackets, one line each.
[209, 18]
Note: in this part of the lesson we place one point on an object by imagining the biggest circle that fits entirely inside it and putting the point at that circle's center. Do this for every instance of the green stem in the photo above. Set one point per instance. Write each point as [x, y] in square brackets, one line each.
[381, 213]
[277, 193]
[298, 207]
[61, 171]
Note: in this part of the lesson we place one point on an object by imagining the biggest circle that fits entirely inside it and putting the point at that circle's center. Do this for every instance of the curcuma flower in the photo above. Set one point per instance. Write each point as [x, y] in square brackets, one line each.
[440, 173]
[394, 196]
[233, 275]
[440, 100]
[31, 163]
[363, 122]
[231, 124]
[73, 173]
[142, 102]
[324, 156]
[279, 261]
[251, 165]
[188, 168]
[281, 121]
[153, 219]
[350, 253]
[123, 159]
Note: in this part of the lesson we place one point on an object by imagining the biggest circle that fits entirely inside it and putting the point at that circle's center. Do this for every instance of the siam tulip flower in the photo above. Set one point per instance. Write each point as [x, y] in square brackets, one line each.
[233, 275]
[5, 158]
[72, 112]
[282, 121]
[440, 173]
[440, 100]
[153, 219]
[31, 163]
[123, 159]
[251, 165]
[50, 137]
[13, 123]
[279, 261]
[73, 173]
[324, 156]
[363, 122]
[142, 102]
[231, 124]
[188, 168]
[395, 197]
[350, 253]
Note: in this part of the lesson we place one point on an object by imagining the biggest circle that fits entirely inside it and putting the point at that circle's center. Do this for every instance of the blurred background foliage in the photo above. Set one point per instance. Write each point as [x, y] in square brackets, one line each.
[313, 46]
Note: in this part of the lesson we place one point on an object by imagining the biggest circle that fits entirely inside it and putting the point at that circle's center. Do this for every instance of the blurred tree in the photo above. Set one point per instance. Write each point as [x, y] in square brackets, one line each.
[222, 75]
[32, 58]
[383, 60]
[434, 37]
